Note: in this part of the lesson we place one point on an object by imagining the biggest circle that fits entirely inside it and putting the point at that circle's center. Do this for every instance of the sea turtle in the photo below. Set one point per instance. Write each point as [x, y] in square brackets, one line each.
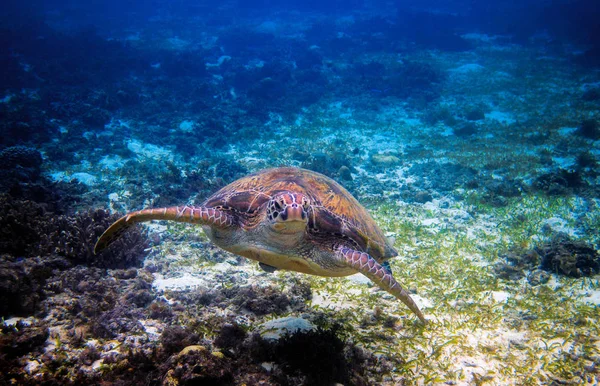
[287, 218]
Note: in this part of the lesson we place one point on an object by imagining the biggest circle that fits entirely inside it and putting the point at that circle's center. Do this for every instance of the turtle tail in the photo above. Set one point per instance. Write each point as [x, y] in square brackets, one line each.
[196, 215]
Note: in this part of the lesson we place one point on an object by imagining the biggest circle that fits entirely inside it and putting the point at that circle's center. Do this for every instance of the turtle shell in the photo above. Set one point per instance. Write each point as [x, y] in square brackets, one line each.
[335, 216]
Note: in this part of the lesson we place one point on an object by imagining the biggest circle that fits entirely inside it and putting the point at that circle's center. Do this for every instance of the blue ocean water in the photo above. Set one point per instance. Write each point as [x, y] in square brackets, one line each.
[469, 130]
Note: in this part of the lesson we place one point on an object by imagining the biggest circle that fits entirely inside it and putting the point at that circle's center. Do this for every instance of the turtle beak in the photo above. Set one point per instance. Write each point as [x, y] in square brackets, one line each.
[292, 219]
[293, 213]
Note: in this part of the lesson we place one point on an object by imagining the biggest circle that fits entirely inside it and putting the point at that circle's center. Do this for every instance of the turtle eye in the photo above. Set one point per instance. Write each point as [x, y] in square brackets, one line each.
[277, 205]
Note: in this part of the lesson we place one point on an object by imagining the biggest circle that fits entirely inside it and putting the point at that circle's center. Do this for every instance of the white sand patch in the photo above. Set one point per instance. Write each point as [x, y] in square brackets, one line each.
[558, 224]
[152, 327]
[467, 69]
[500, 116]
[567, 131]
[431, 222]
[111, 162]
[565, 162]
[500, 296]
[176, 43]
[15, 319]
[81, 177]
[146, 150]
[187, 126]
[185, 282]
[32, 366]
[474, 36]
[7, 98]
[421, 301]
[220, 61]
[325, 300]
[592, 297]
[361, 279]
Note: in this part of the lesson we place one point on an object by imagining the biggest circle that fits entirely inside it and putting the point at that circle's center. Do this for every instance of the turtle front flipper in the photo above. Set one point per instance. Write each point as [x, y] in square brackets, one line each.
[196, 215]
[366, 265]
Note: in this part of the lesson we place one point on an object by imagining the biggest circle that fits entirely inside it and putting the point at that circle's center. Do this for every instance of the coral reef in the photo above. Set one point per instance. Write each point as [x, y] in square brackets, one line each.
[38, 244]
[569, 257]
[17, 341]
[29, 230]
[74, 237]
[19, 164]
[561, 255]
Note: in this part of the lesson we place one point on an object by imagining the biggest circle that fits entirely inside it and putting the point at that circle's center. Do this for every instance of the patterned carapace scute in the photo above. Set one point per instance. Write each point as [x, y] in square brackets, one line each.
[334, 213]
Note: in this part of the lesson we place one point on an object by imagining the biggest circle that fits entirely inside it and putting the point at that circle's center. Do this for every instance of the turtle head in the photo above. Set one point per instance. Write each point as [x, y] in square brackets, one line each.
[287, 212]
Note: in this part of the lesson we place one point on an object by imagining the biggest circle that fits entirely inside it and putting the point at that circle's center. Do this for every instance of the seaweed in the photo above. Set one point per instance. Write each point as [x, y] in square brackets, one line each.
[574, 258]
[560, 182]
[561, 255]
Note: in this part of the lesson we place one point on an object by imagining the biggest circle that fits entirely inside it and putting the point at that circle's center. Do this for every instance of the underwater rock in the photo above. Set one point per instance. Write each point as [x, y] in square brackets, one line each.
[345, 174]
[300, 155]
[385, 160]
[508, 271]
[591, 94]
[443, 113]
[24, 122]
[465, 129]
[230, 336]
[515, 263]
[587, 161]
[538, 277]
[561, 255]
[560, 182]
[422, 196]
[568, 257]
[412, 79]
[475, 115]
[120, 320]
[176, 338]
[330, 163]
[504, 188]
[22, 282]
[589, 128]
[497, 191]
[18, 342]
[21, 338]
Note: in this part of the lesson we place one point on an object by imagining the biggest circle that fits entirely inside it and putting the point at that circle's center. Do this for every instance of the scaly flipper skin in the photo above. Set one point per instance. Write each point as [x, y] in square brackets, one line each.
[366, 265]
[196, 215]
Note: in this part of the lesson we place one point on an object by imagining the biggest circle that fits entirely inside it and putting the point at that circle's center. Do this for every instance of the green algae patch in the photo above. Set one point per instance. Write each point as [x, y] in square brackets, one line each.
[483, 329]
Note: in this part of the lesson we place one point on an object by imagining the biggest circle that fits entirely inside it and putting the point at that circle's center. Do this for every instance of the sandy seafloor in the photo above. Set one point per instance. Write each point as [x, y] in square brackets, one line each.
[464, 208]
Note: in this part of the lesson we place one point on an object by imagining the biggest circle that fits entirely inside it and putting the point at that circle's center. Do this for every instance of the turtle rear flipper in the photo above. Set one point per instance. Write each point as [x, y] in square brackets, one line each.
[369, 267]
[266, 267]
[196, 215]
